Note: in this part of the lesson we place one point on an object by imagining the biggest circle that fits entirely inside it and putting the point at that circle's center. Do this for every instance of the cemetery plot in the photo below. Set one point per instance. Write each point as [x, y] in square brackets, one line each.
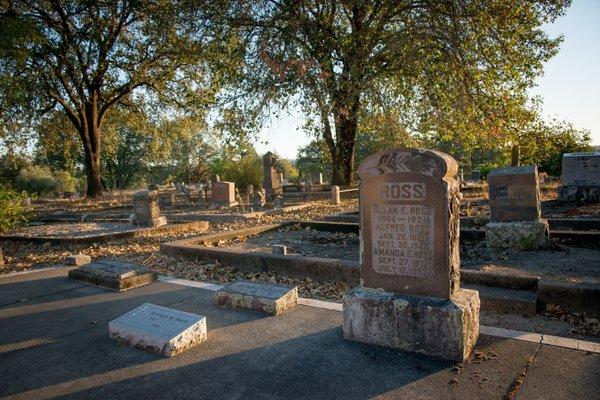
[92, 232]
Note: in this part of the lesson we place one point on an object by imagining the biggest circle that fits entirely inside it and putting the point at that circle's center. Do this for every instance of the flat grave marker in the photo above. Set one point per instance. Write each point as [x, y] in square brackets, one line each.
[264, 297]
[162, 330]
[113, 274]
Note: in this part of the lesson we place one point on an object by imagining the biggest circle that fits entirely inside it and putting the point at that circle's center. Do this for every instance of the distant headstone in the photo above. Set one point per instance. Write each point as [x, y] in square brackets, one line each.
[271, 181]
[166, 199]
[278, 202]
[113, 274]
[279, 249]
[268, 298]
[409, 221]
[146, 210]
[78, 259]
[26, 202]
[514, 194]
[320, 181]
[475, 175]
[335, 195]
[515, 212]
[161, 330]
[280, 175]
[223, 193]
[258, 201]
[580, 177]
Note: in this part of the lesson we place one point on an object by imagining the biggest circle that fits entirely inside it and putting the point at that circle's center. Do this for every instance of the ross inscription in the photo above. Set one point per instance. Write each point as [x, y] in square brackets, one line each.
[402, 239]
[401, 191]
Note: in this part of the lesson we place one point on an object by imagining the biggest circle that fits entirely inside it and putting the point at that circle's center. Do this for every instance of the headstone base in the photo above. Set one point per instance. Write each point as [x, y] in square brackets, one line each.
[269, 298]
[441, 328]
[523, 235]
[585, 194]
[156, 222]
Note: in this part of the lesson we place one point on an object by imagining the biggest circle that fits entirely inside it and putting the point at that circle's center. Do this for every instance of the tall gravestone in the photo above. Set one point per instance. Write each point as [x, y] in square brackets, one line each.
[515, 212]
[223, 193]
[580, 177]
[271, 182]
[410, 296]
[146, 210]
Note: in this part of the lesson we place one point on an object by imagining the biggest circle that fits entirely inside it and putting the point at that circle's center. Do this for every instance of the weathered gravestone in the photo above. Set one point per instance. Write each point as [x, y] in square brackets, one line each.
[146, 210]
[475, 175]
[161, 330]
[269, 298]
[410, 296]
[580, 177]
[271, 182]
[223, 193]
[335, 195]
[278, 202]
[78, 259]
[113, 274]
[258, 201]
[515, 213]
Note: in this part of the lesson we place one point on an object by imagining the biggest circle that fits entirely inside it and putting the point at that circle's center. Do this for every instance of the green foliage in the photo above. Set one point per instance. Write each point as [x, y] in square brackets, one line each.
[289, 170]
[313, 158]
[42, 181]
[241, 165]
[12, 212]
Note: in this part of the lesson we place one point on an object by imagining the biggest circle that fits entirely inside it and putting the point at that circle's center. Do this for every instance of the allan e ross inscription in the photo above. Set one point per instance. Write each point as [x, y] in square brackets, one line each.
[409, 222]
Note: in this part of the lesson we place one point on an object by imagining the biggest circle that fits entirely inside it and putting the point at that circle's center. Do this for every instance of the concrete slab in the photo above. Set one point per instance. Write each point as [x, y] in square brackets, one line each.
[56, 345]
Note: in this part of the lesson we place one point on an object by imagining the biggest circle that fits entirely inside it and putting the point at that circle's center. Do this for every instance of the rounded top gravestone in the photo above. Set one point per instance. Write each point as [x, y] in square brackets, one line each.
[409, 210]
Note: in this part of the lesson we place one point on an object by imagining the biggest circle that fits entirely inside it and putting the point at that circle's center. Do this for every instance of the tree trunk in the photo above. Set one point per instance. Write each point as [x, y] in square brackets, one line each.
[346, 126]
[90, 134]
[515, 156]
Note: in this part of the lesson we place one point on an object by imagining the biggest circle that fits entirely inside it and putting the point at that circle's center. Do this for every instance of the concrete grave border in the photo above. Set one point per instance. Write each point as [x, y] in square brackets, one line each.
[574, 296]
[107, 237]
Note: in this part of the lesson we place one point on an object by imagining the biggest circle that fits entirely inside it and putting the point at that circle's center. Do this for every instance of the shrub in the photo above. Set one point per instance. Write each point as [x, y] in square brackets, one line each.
[12, 212]
[42, 181]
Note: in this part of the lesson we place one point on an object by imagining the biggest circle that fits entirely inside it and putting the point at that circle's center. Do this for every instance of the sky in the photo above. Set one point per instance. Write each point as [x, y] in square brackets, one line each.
[569, 88]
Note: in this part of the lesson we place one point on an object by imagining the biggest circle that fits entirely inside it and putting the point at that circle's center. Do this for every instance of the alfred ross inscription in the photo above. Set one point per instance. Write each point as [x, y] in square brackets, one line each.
[403, 239]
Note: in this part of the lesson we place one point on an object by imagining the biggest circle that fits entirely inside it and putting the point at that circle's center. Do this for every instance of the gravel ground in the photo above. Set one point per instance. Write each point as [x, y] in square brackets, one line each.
[72, 230]
[145, 250]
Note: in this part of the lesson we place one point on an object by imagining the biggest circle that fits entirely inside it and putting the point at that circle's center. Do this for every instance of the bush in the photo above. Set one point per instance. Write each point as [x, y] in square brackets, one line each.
[12, 212]
[42, 181]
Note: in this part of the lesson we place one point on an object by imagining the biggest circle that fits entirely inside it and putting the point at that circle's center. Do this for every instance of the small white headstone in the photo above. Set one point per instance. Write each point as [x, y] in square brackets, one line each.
[159, 329]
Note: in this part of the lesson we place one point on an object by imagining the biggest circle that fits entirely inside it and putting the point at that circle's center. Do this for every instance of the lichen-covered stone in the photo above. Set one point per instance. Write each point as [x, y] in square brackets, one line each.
[584, 194]
[78, 259]
[442, 328]
[523, 235]
[146, 210]
[263, 297]
[161, 330]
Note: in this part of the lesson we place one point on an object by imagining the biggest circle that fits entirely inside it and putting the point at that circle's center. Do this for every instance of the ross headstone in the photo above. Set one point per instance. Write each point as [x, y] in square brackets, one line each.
[335, 195]
[78, 259]
[475, 175]
[161, 330]
[514, 194]
[580, 177]
[268, 298]
[279, 249]
[410, 297]
[223, 193]
[271, 181]
[146, 210]
[515, 212]
[113, 274]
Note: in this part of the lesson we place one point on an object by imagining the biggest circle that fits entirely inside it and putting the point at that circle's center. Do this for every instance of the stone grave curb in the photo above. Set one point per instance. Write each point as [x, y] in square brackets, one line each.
[336, 270]
[107, 237]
